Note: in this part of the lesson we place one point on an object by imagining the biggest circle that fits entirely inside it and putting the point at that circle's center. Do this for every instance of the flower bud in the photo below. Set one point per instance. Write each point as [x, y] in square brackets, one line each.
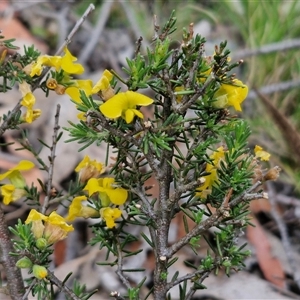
[107, 94]
[272, 174]
[39, 272]
[51, 84]
[41, 243]
[24, 263]
[60, 89]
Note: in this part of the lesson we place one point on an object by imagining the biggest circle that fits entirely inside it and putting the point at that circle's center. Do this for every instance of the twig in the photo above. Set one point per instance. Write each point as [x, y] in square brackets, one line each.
[75, 28]
[29, 288]
[62, 287]
[266, 49]
[284, 235]
[5, 124]
[287, 200]
[186, 277]
[193, 290]
[51, 158]
[13, 275]
[119, 271]
[94, 38]
[214, 220]
[66, 42]
[131, 139]
[148, 210]
[274, 88]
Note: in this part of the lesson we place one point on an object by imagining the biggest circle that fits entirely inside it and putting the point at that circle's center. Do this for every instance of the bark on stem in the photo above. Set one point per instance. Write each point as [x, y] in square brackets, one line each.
[13, 274]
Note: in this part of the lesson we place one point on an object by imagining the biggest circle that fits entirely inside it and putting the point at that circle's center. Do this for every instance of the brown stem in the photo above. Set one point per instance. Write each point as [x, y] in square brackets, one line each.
[13, 274]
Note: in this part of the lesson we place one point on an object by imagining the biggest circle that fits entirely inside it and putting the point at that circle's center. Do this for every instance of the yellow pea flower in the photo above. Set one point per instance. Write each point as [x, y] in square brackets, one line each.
[108, 191]
[44, 60]
[37, 226]
[231, 95]
[14, 175]
[124, 105]
[102, 87]
[15, 190]
[28, 101]
[116, 195]
[74, 90]
[210, 179]
[53, 227]
[10, 193]
[110, 215]
[68, 65]
[262, 154]
[65, 63]
[76, 209]
[88, 168]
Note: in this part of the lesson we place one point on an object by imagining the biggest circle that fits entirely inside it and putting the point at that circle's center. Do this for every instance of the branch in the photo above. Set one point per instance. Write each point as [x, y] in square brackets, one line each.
[141, 194]
[274, 88]
[6, 124]
[187, 277]
[182, 108]
[66, 42]
[215, 219]
[266, 49]
[51, 159]
[192, 291]
[13, 274]
[68, 39]
[119, 271]
[129, 137]
[61, 286]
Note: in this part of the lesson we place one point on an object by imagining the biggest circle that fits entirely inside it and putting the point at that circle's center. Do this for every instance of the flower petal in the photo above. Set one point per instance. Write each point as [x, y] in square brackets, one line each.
[117, 196]
[34, 215]
[114, 106]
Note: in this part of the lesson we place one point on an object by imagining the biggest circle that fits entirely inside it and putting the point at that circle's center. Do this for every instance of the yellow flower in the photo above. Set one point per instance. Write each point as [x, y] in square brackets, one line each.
[15, 190]
[210, 179]
[10, 193]
[28, 101]
[37, 226]
[102, 87]
[76, 209]
[108, 192]
[14, 175]
[53, 227]
[92, 186]
[88, 168]
[231, 95]
[68, 65]
[117, 195]
[39, 272]
[44, 60]
[65, 63]
[109, 215]
[124, 105]
[262, 154]
[74, 90]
